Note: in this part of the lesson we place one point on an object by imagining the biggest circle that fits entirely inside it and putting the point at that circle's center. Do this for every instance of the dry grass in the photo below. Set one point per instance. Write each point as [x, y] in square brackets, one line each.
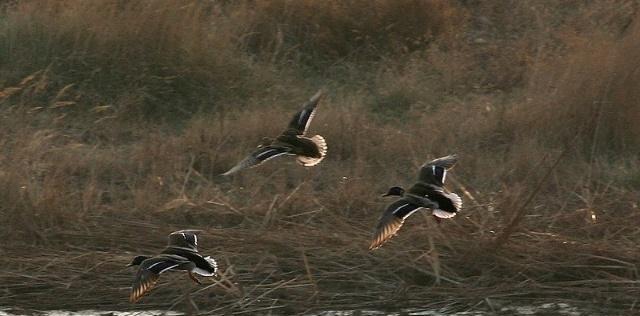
[116, 119]
[329, 31]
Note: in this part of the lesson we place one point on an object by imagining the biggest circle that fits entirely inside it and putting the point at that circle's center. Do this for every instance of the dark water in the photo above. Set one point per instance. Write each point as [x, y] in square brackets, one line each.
[559, 309]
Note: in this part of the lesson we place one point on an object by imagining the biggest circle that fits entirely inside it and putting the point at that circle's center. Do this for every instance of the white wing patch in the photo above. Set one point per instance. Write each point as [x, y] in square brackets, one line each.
[399, 207]
[409, 214]
[306, 126]
[265, 153]
[274, 156]
[153, 265]
[169, 268]
[403, 206]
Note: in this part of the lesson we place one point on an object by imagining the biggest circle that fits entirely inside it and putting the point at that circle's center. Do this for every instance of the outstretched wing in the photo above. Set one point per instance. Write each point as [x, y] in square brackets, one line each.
[391, 221]
[149, 273]
[186, 238]
[435, 171]
[300, 121]
[257, 157]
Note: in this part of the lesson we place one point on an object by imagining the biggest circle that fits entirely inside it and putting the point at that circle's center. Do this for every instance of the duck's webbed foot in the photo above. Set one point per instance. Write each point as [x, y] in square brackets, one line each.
[193, 277]
[438, 219]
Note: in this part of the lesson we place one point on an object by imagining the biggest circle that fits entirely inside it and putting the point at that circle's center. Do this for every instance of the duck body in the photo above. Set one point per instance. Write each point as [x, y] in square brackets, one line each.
[299, 145]
[202, 265]
[434, 197]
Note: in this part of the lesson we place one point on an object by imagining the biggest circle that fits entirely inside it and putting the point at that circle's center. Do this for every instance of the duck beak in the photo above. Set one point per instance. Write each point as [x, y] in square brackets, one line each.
[386, 194]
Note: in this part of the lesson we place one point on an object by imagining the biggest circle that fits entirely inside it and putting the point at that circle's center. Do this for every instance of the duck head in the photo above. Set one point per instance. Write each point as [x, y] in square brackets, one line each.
[137, 260]
[395, 191]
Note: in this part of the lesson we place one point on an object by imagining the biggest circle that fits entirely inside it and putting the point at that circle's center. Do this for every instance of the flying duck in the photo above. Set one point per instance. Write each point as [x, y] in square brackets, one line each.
[181, 254]
[309, 151]
[428, 192]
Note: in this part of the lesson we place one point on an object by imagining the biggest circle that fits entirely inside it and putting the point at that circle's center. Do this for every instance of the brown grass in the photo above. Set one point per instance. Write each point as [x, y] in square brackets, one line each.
[116, 119]
[329, 31]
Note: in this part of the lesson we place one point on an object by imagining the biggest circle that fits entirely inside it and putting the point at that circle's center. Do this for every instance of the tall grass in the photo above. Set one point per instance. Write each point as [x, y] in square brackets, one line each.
[593, 93]
[149, 58]
[117, 117]
[330, 31]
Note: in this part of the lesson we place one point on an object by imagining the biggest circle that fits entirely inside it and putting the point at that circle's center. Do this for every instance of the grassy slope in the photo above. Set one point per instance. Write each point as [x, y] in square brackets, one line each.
[116, 118]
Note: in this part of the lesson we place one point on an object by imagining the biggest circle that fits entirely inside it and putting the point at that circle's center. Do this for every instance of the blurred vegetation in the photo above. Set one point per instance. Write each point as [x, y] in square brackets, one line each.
[117, 116]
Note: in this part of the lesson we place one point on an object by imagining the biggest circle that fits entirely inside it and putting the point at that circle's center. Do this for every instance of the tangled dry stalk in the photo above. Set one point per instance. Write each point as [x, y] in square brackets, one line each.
[113, 134]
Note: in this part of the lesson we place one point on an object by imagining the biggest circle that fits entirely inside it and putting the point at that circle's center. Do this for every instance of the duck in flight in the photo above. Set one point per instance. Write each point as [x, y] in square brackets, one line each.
[427, 193]
[309, 151]
[181, 254]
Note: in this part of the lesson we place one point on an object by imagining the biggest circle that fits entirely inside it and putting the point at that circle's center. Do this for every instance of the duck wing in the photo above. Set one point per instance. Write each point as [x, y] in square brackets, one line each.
[187, 239]
[435, 171]
[391, 221]
[257, 157]
[149, 273]
[301, 120]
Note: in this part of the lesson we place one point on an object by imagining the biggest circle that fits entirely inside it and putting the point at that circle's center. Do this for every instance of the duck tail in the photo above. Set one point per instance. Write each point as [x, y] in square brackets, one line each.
[457, 204]
[212, 262]
[321, 143]
[455, 199]
[443, 214]
[322, 149]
